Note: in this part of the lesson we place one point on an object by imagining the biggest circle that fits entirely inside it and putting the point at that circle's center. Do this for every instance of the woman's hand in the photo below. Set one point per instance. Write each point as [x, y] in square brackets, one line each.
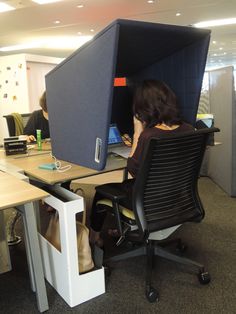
[30, 138]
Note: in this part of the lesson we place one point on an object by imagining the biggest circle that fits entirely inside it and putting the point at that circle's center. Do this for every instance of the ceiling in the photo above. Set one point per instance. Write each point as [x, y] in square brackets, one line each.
[31, 22]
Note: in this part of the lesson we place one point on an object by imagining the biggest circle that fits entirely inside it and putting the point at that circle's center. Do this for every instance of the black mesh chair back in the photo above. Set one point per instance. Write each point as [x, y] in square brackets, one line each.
[11, 122]
[165, 192]
[25, 118]
[10, 125]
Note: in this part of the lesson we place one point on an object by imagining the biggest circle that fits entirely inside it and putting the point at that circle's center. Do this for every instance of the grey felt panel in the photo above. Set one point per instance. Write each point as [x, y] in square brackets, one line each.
[222, 158]
[79, 97]
[82, 100]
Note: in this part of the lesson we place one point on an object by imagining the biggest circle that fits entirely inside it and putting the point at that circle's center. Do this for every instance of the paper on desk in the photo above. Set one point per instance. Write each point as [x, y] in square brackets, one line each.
[123, 151]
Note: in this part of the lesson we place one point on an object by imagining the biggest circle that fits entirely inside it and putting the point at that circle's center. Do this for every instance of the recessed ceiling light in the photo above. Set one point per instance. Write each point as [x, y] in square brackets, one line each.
[79, 33]
[214, 42]
[80, 6]
[150, 1]
[221, 48]
[45, 1]
[216, 22]
[57, 22]
[91, 30]
[178, 14]
[5, 7]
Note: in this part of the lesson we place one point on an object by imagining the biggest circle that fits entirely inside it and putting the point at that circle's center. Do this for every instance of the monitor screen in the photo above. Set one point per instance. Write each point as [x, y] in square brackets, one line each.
[114, 135]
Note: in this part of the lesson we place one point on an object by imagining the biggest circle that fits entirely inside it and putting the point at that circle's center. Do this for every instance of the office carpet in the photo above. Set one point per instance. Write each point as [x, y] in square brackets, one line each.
[212, 242]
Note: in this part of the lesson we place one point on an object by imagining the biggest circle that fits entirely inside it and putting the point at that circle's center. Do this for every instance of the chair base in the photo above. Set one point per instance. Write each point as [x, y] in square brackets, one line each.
[152, 249]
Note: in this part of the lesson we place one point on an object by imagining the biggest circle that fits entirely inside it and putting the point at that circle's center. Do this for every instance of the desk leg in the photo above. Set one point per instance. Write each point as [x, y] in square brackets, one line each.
[29, 259]
[5, 261]
[34, 254]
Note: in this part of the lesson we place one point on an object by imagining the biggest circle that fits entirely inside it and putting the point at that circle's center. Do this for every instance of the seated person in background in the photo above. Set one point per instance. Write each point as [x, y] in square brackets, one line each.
[38, 121]
[156, 113]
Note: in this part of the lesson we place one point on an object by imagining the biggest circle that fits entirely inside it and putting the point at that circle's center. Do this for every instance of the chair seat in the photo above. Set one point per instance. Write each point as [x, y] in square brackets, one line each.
[123, 210]
[128, 218]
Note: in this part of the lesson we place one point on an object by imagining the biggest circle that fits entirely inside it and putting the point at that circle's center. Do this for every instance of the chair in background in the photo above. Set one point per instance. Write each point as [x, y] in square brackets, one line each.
[15, 123]
[11, 122]
[165, 196]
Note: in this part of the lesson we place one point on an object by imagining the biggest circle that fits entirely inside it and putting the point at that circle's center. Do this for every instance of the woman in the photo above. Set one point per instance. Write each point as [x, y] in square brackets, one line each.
[156, 113]
[38, 121]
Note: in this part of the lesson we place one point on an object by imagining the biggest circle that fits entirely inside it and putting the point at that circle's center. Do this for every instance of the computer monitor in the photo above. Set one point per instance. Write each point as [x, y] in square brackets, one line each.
[206, 121]
[114, 136]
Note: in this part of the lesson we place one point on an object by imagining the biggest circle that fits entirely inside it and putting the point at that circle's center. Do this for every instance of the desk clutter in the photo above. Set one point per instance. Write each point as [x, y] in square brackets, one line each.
[15, 145]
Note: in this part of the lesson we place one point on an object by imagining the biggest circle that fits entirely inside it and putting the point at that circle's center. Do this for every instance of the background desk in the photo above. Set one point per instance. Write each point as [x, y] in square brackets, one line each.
[19, 194]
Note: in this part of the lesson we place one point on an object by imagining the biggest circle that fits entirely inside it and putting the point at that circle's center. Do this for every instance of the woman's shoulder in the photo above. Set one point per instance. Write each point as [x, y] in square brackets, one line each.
[152, 132]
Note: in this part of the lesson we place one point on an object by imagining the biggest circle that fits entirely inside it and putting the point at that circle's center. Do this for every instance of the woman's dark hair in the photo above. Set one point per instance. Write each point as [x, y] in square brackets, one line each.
[155, 103]
[42, 102]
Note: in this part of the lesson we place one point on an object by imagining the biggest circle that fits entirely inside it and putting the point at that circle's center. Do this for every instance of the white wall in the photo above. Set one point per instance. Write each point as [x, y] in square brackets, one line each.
[36, 82]
[22, 81]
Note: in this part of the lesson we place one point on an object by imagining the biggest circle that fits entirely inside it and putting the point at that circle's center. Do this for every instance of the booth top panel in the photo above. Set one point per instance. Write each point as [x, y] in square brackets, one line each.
[80, 90]
[142, 44]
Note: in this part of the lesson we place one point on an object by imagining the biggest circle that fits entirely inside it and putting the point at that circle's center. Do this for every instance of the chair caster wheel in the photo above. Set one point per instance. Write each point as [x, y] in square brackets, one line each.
[152, 295]
[204, 278]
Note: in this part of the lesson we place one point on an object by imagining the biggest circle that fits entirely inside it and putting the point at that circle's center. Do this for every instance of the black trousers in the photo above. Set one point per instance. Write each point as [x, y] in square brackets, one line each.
[97, 217]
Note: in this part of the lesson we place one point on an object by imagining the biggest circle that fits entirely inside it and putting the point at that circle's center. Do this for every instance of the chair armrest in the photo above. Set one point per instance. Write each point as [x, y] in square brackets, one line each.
[110, 192]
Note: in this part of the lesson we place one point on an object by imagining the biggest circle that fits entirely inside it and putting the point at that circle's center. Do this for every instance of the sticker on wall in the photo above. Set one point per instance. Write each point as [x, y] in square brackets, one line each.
[6, 81]
[5, 96]
[17, 83]
[8, 68]
[20, 65]
[14, 97]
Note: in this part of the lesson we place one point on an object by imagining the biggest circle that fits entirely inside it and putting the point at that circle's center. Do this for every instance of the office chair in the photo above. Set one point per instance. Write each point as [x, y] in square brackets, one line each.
[165, 196]
[11, 122]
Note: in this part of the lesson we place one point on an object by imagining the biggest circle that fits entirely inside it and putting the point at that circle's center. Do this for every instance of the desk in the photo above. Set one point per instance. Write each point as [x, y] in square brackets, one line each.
[29, 164]
[19, 194]
[61, 268]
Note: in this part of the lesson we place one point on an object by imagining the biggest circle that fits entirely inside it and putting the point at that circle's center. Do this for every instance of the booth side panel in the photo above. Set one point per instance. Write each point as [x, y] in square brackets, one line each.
[79, 96]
